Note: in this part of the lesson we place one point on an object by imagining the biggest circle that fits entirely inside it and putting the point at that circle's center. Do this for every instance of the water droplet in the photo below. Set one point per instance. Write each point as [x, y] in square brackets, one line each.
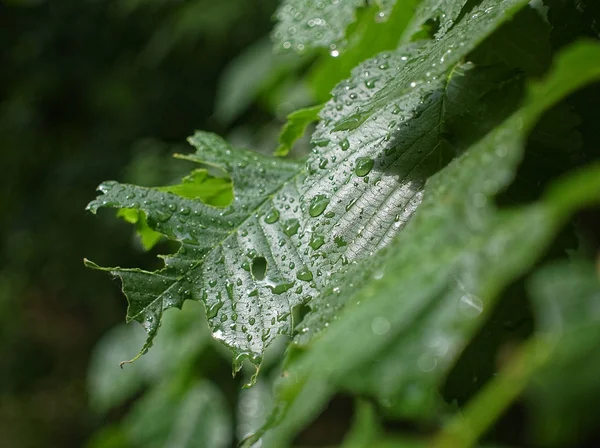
[470, 305]
[350, 123]
[318, 204]
[321, 142]
[272, 216]
[162, 216]
[380, 325]
[345, 144]
[213, 309]
[184, 210]
[229, 289]
[363, 166]
[316, 241]
[291, 227]
[370, 84]
[351, 204]
[280, 288]
[427, 362]
[304, 274]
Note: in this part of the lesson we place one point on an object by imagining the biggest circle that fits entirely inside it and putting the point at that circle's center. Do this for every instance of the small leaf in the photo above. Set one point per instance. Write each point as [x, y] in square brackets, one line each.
[296, 125]
[195, 417]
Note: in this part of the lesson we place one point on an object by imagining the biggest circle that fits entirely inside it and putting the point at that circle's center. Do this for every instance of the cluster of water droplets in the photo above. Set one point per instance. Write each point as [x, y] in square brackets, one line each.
[314, 23]
[251, 263]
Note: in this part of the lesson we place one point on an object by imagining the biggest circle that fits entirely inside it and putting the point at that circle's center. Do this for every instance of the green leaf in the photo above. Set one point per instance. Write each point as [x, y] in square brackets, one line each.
[183, 337]
[178, 416]
[365, 428]
[201, 185]
[256, 71]
[557, 368]
[296, 125]
[381, 136]
[304, 24]
[148, 237]
[366, 37]
[198, 185]
[400, 318]
[213, 242]
[565, 391]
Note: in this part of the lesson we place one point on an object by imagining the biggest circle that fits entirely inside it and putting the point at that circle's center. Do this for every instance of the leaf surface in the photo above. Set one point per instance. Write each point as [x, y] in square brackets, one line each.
[303, 24]
[412, 308]
[292, 226]
[178, 416]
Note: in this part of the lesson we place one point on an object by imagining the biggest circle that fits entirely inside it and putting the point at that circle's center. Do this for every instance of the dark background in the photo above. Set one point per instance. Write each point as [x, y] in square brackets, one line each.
[89, 91]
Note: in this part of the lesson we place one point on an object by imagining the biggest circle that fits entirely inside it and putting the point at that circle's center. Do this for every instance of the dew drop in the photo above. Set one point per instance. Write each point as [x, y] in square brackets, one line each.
[380, 325]
[363, 166]
[291, 227]
[214, 309]
[349, 123]
[345, 144]
[427, 362]
[272, 216]
[470, 305]
[304, 274]
[162, 216]
[316, 241]
[321, 142]
[318, 204]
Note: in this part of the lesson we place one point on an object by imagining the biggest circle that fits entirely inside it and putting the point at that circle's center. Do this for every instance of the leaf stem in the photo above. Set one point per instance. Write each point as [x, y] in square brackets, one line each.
[466, 428]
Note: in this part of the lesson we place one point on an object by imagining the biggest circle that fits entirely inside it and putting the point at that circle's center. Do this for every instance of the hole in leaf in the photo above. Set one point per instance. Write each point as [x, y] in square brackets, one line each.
[259, 268]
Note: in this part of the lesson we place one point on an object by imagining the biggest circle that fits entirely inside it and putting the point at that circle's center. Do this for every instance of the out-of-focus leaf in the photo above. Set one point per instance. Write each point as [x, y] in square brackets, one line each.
[294, 128]
[184, 336]
[565, 392]
[254, 72]
[253, 408]
[557, 368]
[303, 24]
[111, 437]
[176, 415]
[365, 428]
[366, 38]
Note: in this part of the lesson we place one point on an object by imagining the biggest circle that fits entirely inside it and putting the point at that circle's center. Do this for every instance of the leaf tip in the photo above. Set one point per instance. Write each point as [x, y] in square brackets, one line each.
[90, 264]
